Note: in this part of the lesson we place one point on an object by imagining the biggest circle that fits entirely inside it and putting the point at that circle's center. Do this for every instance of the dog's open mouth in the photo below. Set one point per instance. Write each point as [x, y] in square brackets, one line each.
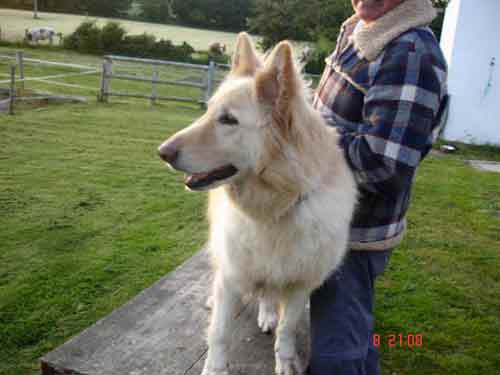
[198, 181]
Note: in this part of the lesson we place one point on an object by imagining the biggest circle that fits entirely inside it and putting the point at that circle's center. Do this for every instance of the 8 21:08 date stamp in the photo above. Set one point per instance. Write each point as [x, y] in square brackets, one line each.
[398, 340]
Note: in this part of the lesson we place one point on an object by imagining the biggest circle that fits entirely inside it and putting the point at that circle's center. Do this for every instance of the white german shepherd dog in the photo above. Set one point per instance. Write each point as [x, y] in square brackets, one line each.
[281, 197]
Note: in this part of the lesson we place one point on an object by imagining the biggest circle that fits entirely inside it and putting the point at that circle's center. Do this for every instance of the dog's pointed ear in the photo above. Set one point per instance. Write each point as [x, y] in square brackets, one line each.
[277, 83]
[245, 61]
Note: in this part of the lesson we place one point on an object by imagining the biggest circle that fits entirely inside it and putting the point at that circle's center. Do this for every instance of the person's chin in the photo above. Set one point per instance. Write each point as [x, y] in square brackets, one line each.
[367, 16]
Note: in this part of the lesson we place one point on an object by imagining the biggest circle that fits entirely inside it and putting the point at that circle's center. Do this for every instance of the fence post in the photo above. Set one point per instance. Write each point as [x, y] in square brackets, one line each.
[106, 77]
[210, 81]
[154, 88]
[20, 64]
[12, 91]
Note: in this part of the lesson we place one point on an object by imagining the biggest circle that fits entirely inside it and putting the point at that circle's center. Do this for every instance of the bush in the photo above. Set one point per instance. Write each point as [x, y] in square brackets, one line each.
[86, 38]
[323, 48]
[204, 57]
[316, 63]
[113, 38]
[112, 35]
[165, 49]
[138, 45]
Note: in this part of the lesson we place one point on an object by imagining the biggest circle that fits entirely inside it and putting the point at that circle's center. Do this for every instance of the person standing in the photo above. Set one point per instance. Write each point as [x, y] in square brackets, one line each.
[384, 89]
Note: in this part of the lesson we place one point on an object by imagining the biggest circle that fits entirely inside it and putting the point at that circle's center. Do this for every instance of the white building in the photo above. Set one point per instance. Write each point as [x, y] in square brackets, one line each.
[471, 44]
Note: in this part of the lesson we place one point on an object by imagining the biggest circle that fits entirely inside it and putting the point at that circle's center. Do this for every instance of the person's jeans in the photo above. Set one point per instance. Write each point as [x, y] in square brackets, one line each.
[342, 317]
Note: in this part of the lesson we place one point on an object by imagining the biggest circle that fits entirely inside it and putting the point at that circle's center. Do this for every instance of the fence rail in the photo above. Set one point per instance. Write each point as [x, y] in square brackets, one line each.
[206, 87]
[21, 61]
[155, 62]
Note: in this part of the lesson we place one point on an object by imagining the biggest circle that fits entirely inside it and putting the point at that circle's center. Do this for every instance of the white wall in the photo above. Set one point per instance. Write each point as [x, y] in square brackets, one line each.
[471, 44]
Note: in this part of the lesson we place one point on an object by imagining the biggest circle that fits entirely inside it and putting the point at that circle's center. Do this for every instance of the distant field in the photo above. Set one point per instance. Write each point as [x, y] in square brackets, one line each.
[14, 22]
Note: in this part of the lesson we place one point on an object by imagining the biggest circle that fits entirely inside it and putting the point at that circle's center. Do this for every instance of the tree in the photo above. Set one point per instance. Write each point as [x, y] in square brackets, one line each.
[220, 14]
[170, 8]
[291, 19]
[107, 8]
[442, 4]
[157, 10]
[319, 20]
[437, 24]
[35, 9]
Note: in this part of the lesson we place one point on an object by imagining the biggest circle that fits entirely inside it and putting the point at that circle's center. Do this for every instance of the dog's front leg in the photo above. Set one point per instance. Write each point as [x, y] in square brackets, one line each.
[224, 310]
[292, 307]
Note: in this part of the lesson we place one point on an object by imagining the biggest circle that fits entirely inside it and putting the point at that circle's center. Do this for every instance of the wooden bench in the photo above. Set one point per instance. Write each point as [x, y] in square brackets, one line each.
[162, 331]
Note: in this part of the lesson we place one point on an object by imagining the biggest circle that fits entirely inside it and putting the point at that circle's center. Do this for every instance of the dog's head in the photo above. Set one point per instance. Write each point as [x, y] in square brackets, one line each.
[247, 123]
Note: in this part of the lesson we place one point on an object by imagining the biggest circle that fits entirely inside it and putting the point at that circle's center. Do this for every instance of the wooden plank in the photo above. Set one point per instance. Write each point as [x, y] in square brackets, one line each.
[105, 77]
[56, 63]
[12, 93]
[20, 64]
[154, 88]
[142, 96]
[128, 77]
[155, 62]
[252, 352]
[162, 331]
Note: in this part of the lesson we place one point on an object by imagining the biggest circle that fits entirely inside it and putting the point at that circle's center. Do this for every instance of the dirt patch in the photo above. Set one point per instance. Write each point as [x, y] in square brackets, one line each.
[485, 166]
[34, 100]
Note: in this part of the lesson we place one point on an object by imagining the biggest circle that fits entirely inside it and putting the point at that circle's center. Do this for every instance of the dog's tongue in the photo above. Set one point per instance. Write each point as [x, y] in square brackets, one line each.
[191, 179]
[204, 179]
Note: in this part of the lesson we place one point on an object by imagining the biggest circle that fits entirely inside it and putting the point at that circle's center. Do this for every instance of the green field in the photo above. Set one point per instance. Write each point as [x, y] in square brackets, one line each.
[14, 22]
[90, 217]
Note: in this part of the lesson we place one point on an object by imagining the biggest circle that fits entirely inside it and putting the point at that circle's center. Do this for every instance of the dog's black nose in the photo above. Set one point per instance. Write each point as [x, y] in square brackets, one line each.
[168, 153]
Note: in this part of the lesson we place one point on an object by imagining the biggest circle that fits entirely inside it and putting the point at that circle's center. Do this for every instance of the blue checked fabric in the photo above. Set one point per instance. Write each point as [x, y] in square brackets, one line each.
[387, 112]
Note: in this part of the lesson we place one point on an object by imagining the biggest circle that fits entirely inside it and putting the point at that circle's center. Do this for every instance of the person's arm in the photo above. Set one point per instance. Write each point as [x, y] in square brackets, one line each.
[399, 114]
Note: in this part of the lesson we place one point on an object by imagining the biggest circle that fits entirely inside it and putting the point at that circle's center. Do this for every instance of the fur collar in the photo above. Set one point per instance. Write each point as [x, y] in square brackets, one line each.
[371, 39]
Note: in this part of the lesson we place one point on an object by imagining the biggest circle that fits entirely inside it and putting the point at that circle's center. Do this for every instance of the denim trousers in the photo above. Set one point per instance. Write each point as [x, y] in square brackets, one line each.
[342, 318]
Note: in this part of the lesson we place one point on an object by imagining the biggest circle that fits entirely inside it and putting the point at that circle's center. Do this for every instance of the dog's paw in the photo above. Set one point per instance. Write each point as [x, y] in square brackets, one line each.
[267, 321]
[209, 303]
[207, 371]
[289, 366]
[213, 368]
[267, 318]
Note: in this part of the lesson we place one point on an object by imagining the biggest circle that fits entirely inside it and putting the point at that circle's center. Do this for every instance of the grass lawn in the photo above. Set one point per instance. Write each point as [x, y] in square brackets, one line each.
[89, 218]
[444, 280]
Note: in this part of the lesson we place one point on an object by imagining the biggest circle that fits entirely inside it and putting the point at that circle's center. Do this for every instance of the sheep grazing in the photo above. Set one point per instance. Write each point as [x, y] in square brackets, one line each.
[217, 48]
[306, 54]
[36, 34]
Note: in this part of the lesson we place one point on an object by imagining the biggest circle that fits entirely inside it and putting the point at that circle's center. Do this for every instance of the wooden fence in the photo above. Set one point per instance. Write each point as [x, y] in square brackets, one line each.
[16, 85]
[20, 60]
[208, 77]
[213, 75]
[206, 87]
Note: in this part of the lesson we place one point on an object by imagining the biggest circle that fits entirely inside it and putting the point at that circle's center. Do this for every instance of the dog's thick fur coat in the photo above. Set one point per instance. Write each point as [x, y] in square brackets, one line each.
[281, 197]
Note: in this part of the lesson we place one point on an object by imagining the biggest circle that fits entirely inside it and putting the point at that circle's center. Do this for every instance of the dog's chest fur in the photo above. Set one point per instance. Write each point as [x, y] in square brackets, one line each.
[299, 249]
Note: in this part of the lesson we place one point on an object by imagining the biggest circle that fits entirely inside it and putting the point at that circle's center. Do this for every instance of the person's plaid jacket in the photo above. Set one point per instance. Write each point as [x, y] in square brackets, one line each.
[387, 112]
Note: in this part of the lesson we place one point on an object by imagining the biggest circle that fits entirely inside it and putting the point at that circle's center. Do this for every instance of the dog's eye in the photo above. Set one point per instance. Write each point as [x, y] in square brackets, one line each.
[228, 119]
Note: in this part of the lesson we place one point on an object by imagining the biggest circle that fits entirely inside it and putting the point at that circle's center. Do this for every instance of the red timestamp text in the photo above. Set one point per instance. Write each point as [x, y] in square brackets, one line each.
[398, 340]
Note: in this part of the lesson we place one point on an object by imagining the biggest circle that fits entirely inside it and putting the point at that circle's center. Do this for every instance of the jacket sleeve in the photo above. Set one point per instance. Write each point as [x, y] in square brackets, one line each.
[399, 115]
